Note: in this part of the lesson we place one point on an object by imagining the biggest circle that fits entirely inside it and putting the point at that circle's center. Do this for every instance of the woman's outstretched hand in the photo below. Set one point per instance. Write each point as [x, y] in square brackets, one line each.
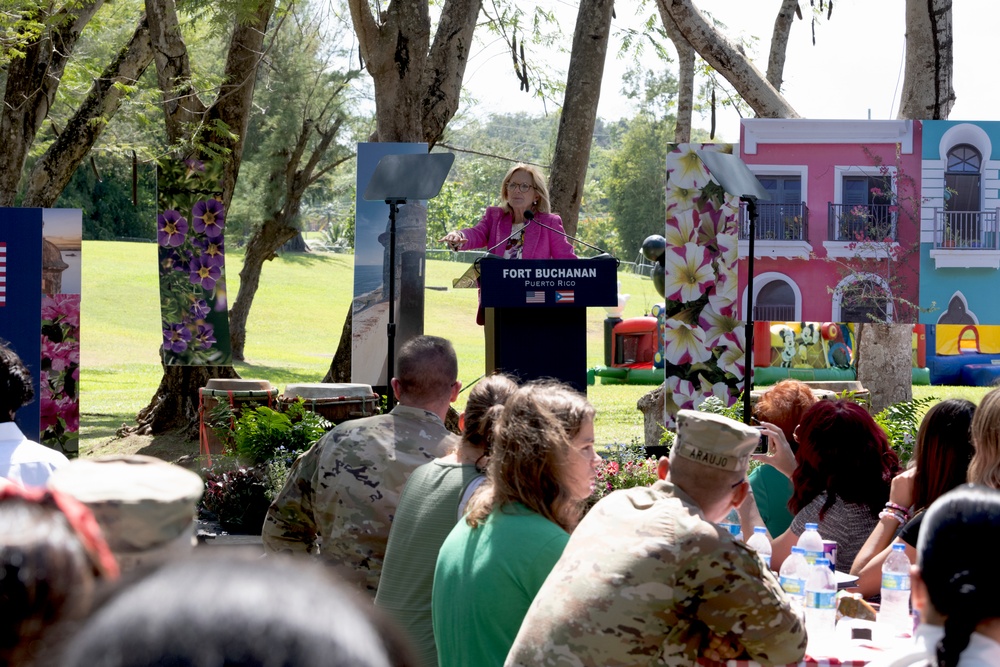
[455, 240]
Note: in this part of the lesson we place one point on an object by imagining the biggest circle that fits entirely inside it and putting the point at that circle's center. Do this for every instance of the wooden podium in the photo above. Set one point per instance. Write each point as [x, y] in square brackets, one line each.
[536, 314]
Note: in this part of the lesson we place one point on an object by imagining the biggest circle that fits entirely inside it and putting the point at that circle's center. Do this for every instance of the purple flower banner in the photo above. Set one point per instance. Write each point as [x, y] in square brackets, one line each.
[190, 234]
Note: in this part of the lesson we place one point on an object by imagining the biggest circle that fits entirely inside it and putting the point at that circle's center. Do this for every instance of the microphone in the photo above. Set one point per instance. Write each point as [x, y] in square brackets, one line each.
[604, 254]
[528, 217]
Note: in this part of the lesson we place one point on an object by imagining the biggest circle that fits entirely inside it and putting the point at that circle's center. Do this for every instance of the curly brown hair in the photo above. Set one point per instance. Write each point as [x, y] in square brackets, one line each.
[783, 405]
[531, 442]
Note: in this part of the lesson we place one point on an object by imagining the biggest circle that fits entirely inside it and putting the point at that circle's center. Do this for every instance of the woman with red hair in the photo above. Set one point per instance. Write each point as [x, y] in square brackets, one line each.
[840, 477]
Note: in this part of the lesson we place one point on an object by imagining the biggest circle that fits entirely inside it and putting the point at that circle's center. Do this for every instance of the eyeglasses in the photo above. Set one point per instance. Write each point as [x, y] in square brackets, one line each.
[520, 187]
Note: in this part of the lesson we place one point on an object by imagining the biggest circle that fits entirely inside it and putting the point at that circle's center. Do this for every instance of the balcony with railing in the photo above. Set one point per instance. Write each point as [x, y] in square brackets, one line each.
[862, 223]
[966, 239]
[776, 222]
[966, 230]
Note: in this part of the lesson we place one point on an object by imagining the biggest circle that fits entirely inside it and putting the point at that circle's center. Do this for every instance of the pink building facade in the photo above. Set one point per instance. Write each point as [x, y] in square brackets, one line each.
[839, 240]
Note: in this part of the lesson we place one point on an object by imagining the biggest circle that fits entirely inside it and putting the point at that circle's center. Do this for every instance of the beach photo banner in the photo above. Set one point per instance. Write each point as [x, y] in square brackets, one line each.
[190, 230]
[59, 376]
[369, 348]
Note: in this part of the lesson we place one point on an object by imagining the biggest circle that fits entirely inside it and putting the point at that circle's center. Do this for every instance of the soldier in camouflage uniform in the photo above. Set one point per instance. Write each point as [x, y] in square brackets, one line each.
[341, 495]
[649, 579]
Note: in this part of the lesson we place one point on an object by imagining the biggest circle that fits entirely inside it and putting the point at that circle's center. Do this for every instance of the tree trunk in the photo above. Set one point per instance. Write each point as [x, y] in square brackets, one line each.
[927, 91]
[171, 405]
[719, 52]
[779, 42]
[31, 83]
[340, 365]
[446, 63]
[579, 112]
[261, 247]
[685, 79]
[394, 51]
[53, 171]
[884, 363]
[296, 244]
[174, 405]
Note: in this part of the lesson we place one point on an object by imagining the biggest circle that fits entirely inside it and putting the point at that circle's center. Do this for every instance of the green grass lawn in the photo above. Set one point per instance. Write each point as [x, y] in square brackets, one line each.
[292, 333]
[294, 329]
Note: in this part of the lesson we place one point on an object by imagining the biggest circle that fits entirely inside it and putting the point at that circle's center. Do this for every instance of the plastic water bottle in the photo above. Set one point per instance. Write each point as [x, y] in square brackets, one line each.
[793, 576]
[812, 543]
[759, 543]
[821, 604]
[894, 613]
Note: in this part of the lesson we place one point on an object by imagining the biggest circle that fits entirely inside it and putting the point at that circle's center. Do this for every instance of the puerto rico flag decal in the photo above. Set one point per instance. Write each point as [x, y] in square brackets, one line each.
[565, 296]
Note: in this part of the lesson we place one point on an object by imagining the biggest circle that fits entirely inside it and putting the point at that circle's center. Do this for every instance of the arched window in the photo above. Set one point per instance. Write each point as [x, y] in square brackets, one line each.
[864, 300]
[963, 197]
[775, 303]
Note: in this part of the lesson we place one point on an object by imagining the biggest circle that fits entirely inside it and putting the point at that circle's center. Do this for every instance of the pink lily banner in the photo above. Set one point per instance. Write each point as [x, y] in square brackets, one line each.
[703, 337]
[190, 233]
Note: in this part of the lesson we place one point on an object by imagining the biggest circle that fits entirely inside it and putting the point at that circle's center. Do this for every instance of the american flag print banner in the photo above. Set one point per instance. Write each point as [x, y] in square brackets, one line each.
[534, 297]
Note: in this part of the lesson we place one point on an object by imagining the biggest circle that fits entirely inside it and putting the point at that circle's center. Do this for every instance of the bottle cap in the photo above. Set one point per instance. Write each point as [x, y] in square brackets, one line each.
[895, 547]
[812, 526]
[825, 562]
[798, 550]
[759, 530]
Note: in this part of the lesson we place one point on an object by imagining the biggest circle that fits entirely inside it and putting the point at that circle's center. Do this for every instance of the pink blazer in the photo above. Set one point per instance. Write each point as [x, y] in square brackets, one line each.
[539, 242]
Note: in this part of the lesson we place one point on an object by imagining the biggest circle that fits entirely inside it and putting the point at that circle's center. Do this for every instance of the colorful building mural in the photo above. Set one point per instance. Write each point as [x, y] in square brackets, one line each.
[959, 240]
[839, 239]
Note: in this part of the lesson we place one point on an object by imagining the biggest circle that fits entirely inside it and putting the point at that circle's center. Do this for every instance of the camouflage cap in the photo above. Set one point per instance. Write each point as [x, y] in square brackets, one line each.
[141, 502]
[714, 440]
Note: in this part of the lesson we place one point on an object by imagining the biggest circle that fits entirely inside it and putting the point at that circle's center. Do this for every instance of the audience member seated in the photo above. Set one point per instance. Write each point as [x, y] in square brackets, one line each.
[214, 609]
[489, 568]
[984, 468]
[781, 407]
[649, 578]
[340, 496]
[428, 510]
[955, 588]
[941, 456]
[52, 557]
[841, 480]
[22, 461]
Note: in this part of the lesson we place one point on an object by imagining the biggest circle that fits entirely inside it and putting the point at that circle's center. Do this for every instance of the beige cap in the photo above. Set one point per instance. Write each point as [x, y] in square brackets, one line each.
[714, 440]
[142, 503]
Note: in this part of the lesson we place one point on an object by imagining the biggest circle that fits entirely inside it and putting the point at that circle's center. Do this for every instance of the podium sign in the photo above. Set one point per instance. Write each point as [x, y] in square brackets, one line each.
[540, 283]
[536, 314]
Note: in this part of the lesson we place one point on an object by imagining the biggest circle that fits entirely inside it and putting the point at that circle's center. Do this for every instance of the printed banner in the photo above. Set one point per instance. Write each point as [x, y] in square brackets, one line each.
[703, 347]
[369, 349]
[190, 233]
[21, 236]
[59, 394]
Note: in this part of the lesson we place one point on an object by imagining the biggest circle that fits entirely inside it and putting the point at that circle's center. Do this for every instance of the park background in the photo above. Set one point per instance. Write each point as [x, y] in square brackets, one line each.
[310, 62]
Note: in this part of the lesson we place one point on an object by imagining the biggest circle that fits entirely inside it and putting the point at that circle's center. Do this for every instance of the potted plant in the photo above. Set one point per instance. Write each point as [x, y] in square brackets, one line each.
[949, 237]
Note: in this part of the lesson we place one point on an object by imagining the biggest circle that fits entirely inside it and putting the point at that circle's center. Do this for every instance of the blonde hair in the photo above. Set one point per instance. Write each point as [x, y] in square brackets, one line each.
[531, 443]
[985, 465]
[541, 189]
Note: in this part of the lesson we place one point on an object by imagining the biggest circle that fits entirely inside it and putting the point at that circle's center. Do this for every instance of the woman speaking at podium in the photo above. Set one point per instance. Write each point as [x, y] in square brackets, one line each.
[522, 227]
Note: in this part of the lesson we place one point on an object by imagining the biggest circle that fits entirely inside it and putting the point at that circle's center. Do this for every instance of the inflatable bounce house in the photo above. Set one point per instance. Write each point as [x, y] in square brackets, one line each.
[964, 354]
